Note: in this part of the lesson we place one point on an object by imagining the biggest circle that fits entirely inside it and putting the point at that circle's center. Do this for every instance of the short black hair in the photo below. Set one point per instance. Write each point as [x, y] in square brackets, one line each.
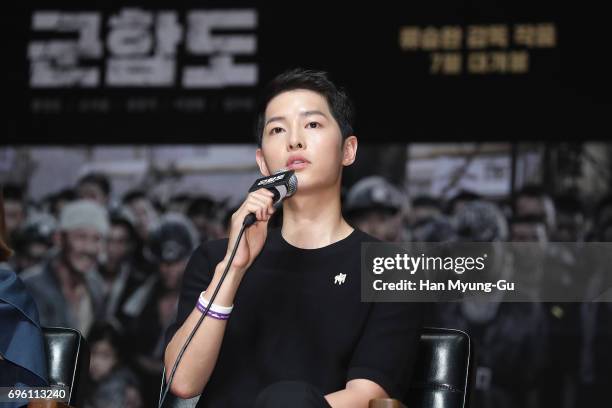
[105, 330]
[133, 195]
[13, 192]
[98, 179]
[53, 200]
[202, 205]
[340, 104]
[117, 219]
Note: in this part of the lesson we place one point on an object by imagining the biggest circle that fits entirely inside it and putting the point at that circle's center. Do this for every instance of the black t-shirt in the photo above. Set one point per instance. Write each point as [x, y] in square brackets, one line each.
[294, 318]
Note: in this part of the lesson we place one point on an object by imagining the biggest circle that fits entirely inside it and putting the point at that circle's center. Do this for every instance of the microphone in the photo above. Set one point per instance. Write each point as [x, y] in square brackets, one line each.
[283, 184]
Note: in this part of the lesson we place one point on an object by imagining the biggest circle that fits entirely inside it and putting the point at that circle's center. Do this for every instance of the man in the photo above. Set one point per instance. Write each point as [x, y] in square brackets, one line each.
[533, 201]
[15, 210]
[151, 308]
[425, 222]
[510, 336]
[68, 289]
[374, 206]
[528, 228]
[570, 218]
[95, 187]
[456, 203]
[33, 242]
[295, 338]
[142, 210]
[121, 272]
[204, 214]
[424, 207]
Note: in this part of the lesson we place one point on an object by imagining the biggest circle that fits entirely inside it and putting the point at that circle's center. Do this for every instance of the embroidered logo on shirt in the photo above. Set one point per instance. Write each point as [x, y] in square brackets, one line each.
[339, 279]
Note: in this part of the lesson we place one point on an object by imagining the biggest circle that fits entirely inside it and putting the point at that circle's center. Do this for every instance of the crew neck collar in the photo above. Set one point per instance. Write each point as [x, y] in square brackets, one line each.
[334, 246]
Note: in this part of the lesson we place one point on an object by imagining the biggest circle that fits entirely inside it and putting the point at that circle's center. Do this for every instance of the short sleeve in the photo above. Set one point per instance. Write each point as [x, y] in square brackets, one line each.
[198, 275]
[387, 350]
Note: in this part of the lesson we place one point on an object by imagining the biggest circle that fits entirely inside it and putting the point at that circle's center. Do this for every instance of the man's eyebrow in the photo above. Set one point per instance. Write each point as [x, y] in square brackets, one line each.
[274, 119]
[313, 112]
[305, 114]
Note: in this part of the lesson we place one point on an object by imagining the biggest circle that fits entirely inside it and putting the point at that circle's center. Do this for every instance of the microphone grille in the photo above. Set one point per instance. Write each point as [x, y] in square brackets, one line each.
[292, 184]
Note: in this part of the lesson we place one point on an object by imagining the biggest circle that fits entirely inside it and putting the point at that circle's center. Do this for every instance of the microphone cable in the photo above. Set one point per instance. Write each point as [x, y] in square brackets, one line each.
[248, 221]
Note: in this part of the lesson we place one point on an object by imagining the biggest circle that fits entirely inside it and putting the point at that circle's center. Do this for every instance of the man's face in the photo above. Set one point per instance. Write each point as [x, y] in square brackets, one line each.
[117, 244]
[569, 227]
[528, 232]
[380, 224]
[92, 191]
[103, 359]
[526, 205]
[14, 214]
[171, 273]
[34, 254]
[144, 212]
[132, 397]
[422, 212]
[207, 228]
[82, 247]
[299, 123]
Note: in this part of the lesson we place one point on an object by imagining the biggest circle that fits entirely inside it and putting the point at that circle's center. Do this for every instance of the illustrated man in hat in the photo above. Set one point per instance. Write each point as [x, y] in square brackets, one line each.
[67, 288]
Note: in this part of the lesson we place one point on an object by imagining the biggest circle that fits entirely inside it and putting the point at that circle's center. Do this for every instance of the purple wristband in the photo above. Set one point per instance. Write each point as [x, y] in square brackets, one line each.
[214, 315]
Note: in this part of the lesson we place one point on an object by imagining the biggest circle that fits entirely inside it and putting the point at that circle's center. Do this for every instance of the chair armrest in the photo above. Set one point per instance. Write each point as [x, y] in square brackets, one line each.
[385, 403]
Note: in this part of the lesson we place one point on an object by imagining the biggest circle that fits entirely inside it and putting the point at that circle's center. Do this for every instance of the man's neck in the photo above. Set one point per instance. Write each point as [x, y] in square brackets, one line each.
[314, 220]
[67, 276]
[112, 270]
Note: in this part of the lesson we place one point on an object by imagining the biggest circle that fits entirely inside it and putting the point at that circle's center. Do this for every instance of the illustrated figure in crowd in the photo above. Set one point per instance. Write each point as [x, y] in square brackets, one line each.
[374, 206]
[142, 211]
[68, 288]
[15, 209]
[111, 382]
[95, 187]
[33, 241]
[151, 308]
[204, 214]
[511, 337]
[124, 269]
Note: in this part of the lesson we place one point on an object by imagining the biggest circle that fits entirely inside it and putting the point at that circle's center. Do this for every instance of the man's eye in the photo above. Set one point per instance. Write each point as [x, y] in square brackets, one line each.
[313, 125]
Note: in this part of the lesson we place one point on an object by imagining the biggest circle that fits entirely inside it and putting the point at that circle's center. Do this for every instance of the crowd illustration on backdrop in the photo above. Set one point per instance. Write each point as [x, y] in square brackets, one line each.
[111, 267]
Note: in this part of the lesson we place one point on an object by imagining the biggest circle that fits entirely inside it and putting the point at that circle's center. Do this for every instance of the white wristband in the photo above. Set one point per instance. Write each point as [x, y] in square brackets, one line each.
[214, 307]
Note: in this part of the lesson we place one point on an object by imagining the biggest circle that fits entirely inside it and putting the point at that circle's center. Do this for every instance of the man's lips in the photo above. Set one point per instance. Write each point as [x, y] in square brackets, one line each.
[297, 162]
[297, 166]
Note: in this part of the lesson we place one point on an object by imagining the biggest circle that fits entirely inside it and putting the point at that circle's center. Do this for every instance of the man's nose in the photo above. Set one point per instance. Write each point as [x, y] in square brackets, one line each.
[92, 247]
[295, 141]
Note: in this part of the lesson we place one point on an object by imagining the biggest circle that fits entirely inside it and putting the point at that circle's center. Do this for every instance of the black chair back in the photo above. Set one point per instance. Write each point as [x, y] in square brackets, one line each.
[442, 376]
[67, 360]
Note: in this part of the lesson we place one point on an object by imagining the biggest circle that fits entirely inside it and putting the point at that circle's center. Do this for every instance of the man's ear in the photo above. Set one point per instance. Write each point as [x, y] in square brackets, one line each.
[261, 162]
[349, 150]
